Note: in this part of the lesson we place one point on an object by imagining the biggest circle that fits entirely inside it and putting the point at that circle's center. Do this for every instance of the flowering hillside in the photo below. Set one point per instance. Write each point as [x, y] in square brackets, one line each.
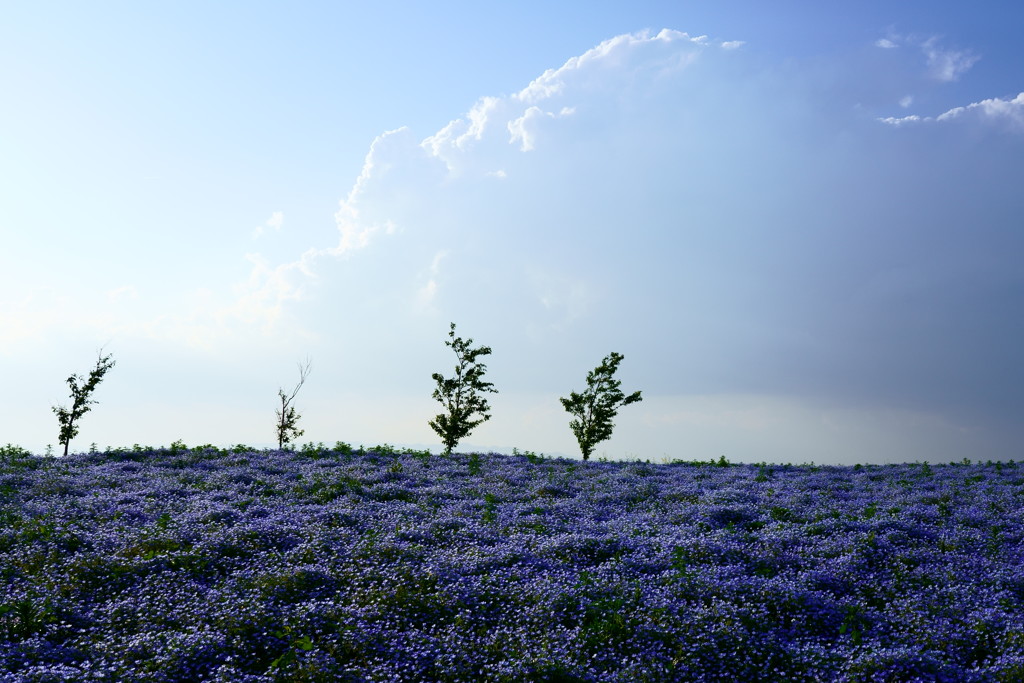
[334, 565]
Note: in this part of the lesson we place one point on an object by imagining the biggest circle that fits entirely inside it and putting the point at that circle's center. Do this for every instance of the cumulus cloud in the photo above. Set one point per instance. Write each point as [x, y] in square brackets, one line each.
[460, 142]
[609, 53]
[402, 174]
[995, 110]
[733, 44]
[483, 143]
[400, 170]
[477, 144]
[458, 136]
[355, 225]
[524, 129]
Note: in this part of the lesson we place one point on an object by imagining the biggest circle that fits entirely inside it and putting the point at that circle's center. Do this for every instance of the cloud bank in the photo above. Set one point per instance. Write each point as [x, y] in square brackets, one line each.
[737, 235]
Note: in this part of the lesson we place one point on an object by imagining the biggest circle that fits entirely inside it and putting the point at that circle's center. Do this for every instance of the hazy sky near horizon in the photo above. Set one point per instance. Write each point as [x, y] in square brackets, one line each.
[802, 225]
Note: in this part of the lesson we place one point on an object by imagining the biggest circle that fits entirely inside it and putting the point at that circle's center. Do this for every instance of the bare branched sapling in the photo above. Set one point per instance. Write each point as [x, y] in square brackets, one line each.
[460, 395]
[287, 431]
[595, 408]
[81, 390]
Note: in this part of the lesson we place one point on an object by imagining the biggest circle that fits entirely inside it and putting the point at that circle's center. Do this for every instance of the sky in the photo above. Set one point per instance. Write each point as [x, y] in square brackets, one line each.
[801, 224]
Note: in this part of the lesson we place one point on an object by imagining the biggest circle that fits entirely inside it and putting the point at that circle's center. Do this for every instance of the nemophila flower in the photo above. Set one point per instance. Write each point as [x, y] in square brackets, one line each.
[211, 566]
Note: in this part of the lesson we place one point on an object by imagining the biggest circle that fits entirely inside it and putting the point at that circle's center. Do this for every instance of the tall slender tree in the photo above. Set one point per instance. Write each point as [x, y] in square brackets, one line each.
[287, 418]
[460, 395]
[81, 391]
[595, 407]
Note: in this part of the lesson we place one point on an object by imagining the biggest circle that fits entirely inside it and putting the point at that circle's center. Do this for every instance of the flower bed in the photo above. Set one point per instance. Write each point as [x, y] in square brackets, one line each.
[321, 565]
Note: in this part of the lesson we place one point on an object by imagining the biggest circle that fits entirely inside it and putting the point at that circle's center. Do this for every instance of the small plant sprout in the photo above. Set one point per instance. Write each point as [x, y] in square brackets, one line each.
[287, 431]
[81, 390]
[460, 395]
[595, 408]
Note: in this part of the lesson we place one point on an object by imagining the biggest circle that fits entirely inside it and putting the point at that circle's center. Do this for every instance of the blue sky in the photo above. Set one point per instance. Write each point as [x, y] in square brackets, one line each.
[801, 225]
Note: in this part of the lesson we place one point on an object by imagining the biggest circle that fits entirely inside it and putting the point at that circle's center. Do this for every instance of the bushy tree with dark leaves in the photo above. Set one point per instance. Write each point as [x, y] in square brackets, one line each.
[460, 395]
[595, 408]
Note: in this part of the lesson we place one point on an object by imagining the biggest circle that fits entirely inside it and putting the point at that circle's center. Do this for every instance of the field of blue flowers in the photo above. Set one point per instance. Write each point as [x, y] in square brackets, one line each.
[335, 564]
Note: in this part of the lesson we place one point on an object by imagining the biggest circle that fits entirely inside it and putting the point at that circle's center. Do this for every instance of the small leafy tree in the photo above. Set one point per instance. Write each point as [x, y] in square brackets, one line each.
[287, 431]
[81, 390]
[595, 408]
[460, 395]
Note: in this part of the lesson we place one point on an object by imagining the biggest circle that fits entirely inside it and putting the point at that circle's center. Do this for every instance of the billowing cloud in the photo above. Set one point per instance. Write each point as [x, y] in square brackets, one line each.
[994, 109]
[1009, 112]
[480, 144]
[356, 217]
[661, 53]
[524, 129]
[457, 137]
[400, 177]
[463, 140]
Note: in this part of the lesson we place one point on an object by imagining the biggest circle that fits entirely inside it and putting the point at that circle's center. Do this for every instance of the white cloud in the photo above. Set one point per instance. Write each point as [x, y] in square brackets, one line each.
[991, 111]
[947, 65]
[363, 212]
[901, 120]
[426, 292]
[524, 129]
[260, 298]
[609, 53]
[733, 44]
[994, 109]
[906, 101]
[275, 222]
[457, 141]
[206, 318]
[944, 65]
[472, 145]
[399, 177]
[456, 138]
